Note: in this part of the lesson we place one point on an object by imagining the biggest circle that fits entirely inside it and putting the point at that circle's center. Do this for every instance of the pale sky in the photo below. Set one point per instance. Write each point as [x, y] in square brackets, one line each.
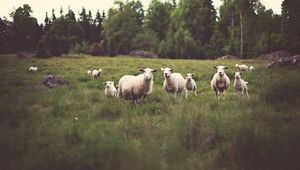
[40, 7]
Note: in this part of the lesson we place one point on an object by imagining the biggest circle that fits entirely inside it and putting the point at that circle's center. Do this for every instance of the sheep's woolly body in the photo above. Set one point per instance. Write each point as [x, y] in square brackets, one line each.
[33, 69]
[174, 84]
[251, 68]
[242, 67]
[96, 73]
[190, 85]
[133, 87]
[240, 86]
[220, 84]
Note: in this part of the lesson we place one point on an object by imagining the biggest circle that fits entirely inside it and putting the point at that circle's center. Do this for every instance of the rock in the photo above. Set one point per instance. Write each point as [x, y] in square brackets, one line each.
[54, 81]
[144, 54]
[274, 55]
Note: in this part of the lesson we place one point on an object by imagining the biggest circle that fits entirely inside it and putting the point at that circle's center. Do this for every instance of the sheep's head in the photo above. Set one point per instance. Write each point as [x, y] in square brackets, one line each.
[237, 75]
[189, 76]
[220, 70]
[100, 70]
[167, 72]
[148, 73]
[236, 65]
[108, 84]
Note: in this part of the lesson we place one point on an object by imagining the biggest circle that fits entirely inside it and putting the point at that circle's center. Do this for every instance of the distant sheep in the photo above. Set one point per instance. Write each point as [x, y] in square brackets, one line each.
[220, 81]
[33, 69]
[133, 87]
[251, 68]
[89, 72]
[174, 82]
[110, 89]
[96, 73]
[240, 85]
[241, 68]
[190, 85]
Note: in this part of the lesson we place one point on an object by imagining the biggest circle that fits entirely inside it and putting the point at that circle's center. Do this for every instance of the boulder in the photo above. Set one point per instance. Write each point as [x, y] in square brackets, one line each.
[54, 81]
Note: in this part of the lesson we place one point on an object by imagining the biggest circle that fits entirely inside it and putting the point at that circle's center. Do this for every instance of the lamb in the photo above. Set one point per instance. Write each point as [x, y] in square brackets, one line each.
[133, 87]
[110, 89]
[240, 85]
[89, 72]
[96, 73]
[241, 68]
[190, 85]
[33, 69]
[174, 82]
[251, 68]
[220, 81]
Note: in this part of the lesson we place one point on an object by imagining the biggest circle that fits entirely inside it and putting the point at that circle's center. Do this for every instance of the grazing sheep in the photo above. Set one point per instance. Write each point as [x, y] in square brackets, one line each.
[242, 67]
[240, 85]
[96, 73]
[251, 68]
[33, 69]
[174, 82]
[110, 89]
[133, 87]
[89, 72]
[190, 85]
[220, 82]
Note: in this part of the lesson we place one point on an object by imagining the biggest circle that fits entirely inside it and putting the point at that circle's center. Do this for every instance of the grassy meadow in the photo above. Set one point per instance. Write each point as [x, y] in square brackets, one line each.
[38, 129]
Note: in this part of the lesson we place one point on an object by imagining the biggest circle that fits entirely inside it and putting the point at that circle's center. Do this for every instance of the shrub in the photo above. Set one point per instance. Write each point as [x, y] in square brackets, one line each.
[97, 49]
[41, 51]
[78, 48]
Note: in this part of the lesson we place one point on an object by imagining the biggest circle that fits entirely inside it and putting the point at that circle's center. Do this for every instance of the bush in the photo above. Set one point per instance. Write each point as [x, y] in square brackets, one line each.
[78, 48]
[97, 49]
[41, 51]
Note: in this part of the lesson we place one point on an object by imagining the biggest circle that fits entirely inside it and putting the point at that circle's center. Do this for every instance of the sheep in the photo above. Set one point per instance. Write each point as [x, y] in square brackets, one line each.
[174, 82]
[33, 69]
[241, 68]
[220, 81]
[110, 89]
[89, 72]
[251, 68]
[96, 73]
[133, 87]
[240, 85]
[190, 85]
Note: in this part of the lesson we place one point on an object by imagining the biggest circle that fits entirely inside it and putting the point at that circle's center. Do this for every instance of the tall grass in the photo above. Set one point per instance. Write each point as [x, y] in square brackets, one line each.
[77, 127]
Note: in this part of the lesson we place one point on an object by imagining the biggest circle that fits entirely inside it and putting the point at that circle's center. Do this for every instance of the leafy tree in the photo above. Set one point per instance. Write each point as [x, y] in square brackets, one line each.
[5, 36]
[26, 31]
[157, 19]
[146, 41]
[291, 25]
[120, 28]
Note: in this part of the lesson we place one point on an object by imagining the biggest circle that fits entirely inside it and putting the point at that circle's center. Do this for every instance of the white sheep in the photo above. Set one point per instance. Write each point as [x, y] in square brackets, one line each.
[174, 82]
[251, 68]
[89, 72]
[241, 67]
[220, 81]
[33, 69]
[110, 89]
[133, 87]
[240, 85]
[96, 73]
[190, 85]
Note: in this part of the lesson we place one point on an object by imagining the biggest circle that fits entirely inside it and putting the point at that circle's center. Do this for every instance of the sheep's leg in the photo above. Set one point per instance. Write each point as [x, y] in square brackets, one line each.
[186, 93]
[144, 97]
[247, 94]
[195, 92]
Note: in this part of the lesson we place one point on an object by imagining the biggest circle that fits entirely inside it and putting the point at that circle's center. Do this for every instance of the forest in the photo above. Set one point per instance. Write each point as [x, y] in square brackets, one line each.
[191, 29]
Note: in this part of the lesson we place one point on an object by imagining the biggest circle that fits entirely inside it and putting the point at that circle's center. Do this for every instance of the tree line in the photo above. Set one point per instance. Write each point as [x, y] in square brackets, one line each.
[191, 29]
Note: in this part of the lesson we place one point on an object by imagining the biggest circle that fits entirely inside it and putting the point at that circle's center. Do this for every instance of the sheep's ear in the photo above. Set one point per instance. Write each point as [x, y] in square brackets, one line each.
[225, 67]
[142, 70]
[233, 72]
[113, 82]
[104, 82]
[153, 70]
[100, 69]
[171, 70]
[161, 69]
[215, 67]
[241, 73]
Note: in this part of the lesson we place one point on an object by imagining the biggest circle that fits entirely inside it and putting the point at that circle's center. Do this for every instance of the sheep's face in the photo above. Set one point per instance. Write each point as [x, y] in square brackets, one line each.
[189, 76]
[167, 72]
[236, 65]
[109, 84]
[237, 75]
[148, 73]
[220, 70]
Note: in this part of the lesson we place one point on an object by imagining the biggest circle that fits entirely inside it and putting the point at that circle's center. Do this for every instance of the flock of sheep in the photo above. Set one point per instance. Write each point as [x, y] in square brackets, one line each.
[134, 87]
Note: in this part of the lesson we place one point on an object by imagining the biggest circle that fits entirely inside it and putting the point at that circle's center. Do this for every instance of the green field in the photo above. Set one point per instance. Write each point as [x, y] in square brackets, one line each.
[38, 129]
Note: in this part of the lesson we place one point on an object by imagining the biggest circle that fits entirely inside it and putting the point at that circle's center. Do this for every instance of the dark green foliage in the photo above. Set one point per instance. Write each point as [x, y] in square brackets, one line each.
[147, 41]
[5, 36]
[291, 25]
[97, 49]
[41, 51]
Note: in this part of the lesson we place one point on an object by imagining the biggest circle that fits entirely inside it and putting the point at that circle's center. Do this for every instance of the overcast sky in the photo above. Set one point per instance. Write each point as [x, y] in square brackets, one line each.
[40, 7]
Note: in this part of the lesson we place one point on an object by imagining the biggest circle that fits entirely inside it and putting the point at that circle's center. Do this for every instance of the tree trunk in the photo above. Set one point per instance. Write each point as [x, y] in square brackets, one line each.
[232, 24]
[242, 36]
